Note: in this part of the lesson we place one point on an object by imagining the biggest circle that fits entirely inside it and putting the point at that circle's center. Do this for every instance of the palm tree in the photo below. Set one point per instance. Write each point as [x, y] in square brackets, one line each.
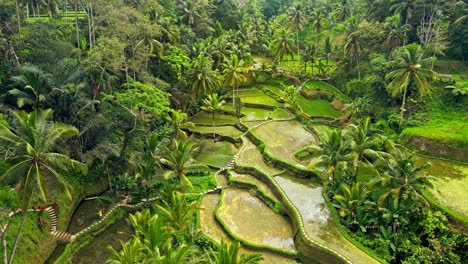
[178, 119]
[213, 104]
[363, 145]
[34, 84]
[151, 229]
[408, 63]
[149, 39]
[405, 9]
[282, 45]
[228, 253]
[130, 253]
[335, 153]
[178, 211]
[402, 179]
[396, 32]
[178, 158]
[296, 20]
[234, 74]
[351, 199]
[35, 138]
[352, 48]
[318, 17]
[203, 78]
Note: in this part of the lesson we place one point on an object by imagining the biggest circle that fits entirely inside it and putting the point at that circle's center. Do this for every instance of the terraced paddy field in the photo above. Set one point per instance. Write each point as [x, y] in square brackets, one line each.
[318, 223]
[257, 97]
[252, 220]
[255, 114]
[317, 107]
[205, 118]
[250, 179]
[213, 154]
[211, 228]
[228, 131]
[451, 184]
[250, 156]
[326, 87]
[284, 138]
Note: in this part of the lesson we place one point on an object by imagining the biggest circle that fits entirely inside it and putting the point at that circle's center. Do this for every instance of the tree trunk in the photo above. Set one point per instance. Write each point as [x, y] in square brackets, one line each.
[77, 30]
[403, 105]
[358, 70]
[19, 23]
[18, 234]
[5, 254]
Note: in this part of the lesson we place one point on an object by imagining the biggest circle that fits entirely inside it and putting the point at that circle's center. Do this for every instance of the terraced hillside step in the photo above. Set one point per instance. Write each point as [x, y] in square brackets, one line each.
[62, 236]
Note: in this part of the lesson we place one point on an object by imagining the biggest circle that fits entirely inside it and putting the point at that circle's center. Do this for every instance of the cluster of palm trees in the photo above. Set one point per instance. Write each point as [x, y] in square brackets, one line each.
[167, 236]
[372, 181]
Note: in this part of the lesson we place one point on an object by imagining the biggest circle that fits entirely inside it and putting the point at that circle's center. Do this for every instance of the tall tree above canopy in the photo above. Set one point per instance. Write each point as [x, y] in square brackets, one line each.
[234, 74]
[405, 8]
[202, 76]
[282, 45]
[296, 17]
[408, 64]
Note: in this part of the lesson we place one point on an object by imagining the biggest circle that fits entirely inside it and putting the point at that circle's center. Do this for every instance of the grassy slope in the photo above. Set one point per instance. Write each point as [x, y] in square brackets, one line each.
[451, 128]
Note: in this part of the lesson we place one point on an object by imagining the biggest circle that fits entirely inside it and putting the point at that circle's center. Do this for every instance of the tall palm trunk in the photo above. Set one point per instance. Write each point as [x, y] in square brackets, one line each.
[77, 29]
[18, 235]
[403, 105]
[19, 23]
[20, 229]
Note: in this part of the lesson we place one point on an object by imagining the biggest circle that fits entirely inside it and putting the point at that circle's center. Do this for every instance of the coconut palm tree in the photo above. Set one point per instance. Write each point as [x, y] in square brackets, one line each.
[213, 104]
[33, 85]
[178, 119]
[396, 32]
[228, 253]
[352, 48]
[234, 74]
[35, 138]
[402, 179]
[336, 153]
[408, 63]
[282, 45]
[363, 144]
[178, 211]
[151, 42]
[203, 78]
[405, 8]
[296, 20]
[178, 159]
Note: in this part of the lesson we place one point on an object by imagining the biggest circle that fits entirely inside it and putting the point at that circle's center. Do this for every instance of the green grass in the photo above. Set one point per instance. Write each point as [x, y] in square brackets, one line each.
[317, 107]
[202, 183]
[449, 127]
